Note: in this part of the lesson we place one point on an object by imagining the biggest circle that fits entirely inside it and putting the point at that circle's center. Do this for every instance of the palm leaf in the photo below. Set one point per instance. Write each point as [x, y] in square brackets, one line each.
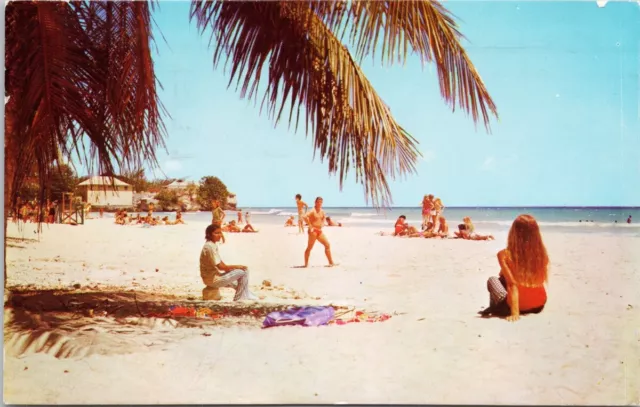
[424, 27]
[309, 67]
[78, 72]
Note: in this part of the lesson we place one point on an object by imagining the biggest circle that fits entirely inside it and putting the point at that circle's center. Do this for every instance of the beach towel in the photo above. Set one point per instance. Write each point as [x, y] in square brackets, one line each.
[305, 316]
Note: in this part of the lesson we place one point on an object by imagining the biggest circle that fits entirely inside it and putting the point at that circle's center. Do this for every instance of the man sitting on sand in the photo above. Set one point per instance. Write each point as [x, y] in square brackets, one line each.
[332, 223]
[216, 274]
[316, 219]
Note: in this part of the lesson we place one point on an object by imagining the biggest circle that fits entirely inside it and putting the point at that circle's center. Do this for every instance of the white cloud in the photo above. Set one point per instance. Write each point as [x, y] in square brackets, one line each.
[172, 166]
[488, 164]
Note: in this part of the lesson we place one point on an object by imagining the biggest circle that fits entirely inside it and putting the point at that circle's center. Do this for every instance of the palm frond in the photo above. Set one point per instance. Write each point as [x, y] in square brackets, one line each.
[424, 27]
[311, 68]
[76, 72]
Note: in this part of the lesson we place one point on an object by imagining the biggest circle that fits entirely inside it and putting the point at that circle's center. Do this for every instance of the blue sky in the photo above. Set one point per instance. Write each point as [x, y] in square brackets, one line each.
[564, 75]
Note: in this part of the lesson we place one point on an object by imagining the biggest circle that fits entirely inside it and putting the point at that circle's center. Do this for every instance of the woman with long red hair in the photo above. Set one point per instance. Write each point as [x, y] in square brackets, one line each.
[523, 273]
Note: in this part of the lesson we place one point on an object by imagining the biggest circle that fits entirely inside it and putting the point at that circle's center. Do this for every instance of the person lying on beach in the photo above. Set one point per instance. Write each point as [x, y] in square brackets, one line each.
[466, 231]
[316, 219]
[332, 223]
[249, 229]
[166, 221]
[216, 274]
[519, 289]
[289, 222]
[231, 227]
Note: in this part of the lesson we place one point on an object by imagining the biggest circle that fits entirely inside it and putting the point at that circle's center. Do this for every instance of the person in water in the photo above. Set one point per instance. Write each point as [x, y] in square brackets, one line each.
[316, 219]
[524, 264]
[216, 274]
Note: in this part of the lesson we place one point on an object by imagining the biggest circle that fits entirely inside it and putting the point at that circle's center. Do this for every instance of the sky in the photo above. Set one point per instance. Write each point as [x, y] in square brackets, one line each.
[565, 77]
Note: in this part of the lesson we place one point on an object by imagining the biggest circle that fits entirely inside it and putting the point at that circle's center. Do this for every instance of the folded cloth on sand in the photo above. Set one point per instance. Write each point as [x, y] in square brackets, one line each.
[305, 316]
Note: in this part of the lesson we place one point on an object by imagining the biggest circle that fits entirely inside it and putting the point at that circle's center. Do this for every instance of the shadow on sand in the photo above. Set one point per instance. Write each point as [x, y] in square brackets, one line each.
[74, 324]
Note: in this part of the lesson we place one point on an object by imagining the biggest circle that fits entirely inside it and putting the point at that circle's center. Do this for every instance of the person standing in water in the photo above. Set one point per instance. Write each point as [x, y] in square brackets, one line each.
[316, 219]
[302, 208]
[629, 219]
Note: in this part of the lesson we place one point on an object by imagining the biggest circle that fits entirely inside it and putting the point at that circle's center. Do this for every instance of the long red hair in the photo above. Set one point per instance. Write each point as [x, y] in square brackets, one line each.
[527, 252]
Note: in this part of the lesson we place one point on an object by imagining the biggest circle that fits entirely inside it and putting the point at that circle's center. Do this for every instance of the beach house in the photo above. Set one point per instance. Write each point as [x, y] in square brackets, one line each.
[178, 185]
[107, 192]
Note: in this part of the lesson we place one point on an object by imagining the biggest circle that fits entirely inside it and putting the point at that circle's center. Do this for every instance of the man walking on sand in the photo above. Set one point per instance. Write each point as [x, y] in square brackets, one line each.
[302, 208]
[316, 219]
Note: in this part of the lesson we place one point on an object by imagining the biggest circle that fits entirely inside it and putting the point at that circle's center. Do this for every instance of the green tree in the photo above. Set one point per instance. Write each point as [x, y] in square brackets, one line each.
[136, 179]
[167, 198]
[211, 188]
[63, 179]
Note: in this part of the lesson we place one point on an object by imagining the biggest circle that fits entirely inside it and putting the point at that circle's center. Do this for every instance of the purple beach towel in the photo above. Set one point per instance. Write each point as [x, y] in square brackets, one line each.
[305, 316]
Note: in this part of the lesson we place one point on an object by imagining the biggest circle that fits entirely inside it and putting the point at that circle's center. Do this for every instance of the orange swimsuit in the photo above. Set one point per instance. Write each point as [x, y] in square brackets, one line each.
[531, 297]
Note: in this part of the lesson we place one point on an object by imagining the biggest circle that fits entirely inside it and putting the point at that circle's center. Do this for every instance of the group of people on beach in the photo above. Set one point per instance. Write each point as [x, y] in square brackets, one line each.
[434, 224]
[32, 211]
[123, 218]
[518, 289]
[233, 226]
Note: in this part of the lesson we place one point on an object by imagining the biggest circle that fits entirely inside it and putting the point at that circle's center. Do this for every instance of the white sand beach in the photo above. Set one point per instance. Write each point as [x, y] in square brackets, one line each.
[584, 348]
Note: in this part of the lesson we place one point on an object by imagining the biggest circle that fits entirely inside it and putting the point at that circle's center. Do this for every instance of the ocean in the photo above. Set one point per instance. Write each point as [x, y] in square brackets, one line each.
[486, 220]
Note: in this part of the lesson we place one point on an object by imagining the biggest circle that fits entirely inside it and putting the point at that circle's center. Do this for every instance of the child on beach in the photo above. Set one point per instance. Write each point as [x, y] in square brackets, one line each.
[523, 272]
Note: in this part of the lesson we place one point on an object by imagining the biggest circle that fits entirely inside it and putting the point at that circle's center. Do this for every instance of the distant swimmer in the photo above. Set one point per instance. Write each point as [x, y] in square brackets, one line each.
[629, 219]
[316, 219]
[302, 209]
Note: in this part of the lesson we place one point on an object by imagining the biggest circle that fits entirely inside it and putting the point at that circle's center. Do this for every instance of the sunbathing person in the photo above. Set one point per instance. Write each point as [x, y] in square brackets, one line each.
[216, 274]
[524, 263]
[289, 222]
[178, 218]
[466, 231]
[332, 223]
[249, 229]
[231, 227]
